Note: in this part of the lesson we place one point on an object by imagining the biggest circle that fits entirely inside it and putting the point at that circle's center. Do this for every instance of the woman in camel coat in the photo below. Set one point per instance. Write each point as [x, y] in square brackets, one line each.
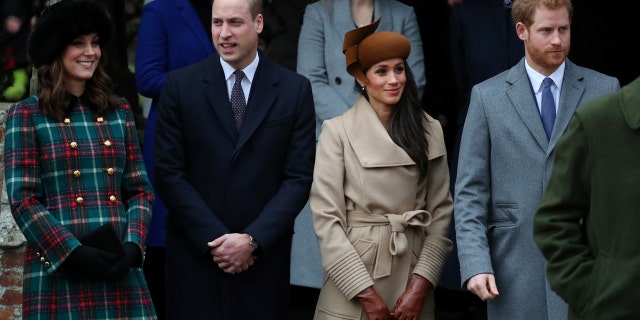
[380, 196]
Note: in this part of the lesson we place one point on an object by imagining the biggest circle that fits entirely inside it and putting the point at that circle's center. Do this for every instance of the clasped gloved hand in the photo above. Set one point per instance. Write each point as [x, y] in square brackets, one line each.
[89, 262]
[373, 304]
[124, 264]
[410, 303]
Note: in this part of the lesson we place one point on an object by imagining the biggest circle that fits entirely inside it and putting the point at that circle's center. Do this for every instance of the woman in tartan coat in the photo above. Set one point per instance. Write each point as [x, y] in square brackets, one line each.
[73, 164]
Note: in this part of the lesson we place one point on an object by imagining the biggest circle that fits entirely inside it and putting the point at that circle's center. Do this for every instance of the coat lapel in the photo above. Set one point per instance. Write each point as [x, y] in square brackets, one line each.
[342, 19]
[215, 88]
[261, 98]
[264, 89]
[382, 9]
[523, 100]
[572, 90]
[370, 141]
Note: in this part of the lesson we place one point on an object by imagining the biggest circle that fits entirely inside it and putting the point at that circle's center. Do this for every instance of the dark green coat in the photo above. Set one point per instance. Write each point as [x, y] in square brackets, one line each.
[588, 222]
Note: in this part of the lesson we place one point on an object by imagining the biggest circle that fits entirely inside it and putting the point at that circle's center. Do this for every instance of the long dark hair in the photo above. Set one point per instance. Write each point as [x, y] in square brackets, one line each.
[406, 123]
[53, 96]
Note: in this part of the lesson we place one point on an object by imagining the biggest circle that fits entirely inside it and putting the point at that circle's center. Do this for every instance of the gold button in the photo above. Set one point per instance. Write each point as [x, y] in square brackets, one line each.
[100, 119]
[76, 173]
[67, 121]
[37, 254]
[42, 259]
[111, 171]
[79, 200]
[107, 143]
[47, 264]
[74, 145]
[112, 198]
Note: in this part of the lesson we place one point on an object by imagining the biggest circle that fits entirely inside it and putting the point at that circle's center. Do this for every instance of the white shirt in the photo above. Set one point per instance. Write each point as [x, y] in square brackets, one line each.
[249, 73]
[536, 78]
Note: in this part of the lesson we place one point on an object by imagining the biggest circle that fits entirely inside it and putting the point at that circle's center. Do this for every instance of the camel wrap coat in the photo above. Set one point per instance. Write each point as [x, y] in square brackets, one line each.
[376, 222]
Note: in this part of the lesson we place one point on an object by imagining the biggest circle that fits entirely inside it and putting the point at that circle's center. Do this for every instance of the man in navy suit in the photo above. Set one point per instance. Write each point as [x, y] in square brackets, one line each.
[232, 192]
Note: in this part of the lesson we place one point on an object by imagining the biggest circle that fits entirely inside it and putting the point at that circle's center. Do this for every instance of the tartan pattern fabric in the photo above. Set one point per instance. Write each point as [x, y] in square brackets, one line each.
[49, 165]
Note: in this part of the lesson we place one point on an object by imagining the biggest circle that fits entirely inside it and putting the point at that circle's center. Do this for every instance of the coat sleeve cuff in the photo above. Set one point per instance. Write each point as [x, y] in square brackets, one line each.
[432, 259]
[350, 275]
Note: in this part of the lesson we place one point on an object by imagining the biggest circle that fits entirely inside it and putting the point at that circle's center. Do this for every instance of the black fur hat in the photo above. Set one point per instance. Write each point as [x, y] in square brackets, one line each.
[61, 23]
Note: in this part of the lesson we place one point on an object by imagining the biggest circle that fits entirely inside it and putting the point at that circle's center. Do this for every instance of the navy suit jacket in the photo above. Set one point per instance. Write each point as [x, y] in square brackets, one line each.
[215, 181]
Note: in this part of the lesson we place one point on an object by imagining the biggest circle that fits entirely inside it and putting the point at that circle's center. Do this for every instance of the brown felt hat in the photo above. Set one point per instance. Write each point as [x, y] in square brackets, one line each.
[363, 47]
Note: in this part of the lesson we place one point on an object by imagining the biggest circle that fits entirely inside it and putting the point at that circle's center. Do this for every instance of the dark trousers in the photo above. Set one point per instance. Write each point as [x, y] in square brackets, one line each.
[154, 274]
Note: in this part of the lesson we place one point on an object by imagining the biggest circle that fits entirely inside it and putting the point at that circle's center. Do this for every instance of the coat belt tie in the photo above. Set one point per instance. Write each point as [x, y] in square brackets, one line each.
[394, 235]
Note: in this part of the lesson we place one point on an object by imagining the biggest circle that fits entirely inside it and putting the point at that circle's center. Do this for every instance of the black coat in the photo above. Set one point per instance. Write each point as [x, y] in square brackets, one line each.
[215, 181]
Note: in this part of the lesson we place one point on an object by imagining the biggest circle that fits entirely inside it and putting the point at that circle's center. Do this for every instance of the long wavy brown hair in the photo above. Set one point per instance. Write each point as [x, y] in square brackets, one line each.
[406, 124]
[54, 98]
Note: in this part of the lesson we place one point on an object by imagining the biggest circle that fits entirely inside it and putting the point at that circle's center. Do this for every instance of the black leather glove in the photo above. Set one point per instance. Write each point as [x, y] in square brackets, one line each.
[410, 303]
[373, 304]
[89, 262]
[124, 264]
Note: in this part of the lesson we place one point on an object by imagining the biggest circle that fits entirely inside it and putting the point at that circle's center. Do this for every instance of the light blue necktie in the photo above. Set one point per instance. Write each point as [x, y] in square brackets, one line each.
[548, 106]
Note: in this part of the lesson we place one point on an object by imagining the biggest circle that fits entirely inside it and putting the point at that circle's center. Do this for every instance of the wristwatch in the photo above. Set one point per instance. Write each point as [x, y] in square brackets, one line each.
[253, 242]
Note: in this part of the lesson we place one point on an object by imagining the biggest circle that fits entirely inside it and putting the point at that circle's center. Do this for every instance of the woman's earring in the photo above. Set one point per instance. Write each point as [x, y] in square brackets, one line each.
[363, 88]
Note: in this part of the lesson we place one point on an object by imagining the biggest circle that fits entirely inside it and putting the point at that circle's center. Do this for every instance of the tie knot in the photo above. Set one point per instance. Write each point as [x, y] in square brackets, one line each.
[239, 75]
[547, 82]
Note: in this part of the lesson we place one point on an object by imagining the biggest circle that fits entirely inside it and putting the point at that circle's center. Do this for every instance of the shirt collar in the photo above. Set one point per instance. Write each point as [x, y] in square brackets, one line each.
[536, 77]
[249, 71]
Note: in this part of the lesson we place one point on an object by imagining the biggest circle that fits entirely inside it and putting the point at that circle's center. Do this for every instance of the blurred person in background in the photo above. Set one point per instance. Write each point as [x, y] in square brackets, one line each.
[172, 34]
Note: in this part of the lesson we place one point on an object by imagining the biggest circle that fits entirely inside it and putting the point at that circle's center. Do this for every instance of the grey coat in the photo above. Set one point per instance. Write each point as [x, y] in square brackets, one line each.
[504, 165]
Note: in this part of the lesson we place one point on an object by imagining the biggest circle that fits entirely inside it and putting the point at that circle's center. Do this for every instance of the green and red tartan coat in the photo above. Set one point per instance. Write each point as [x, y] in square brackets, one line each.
[64, 179]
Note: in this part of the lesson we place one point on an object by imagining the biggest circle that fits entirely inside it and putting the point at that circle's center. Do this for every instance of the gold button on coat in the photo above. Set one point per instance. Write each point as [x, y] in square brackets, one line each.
[74, 145]
[112, 198]
[67, 121]
[111, 171]
[100, 119]
[42, 259]
[107, 143]
[76, 173]
[79, 200]
[47, 264]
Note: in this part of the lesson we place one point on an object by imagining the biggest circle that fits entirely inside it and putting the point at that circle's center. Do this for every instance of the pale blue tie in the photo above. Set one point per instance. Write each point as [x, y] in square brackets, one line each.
[548, 106]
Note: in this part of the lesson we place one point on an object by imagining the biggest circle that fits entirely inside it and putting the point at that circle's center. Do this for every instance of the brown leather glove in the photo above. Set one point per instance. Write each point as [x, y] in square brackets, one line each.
[411, 301]
[373, 304]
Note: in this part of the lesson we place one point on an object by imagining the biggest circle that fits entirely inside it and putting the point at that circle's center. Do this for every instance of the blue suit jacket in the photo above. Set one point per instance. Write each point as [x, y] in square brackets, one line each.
[215, 181]
[170, 36]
